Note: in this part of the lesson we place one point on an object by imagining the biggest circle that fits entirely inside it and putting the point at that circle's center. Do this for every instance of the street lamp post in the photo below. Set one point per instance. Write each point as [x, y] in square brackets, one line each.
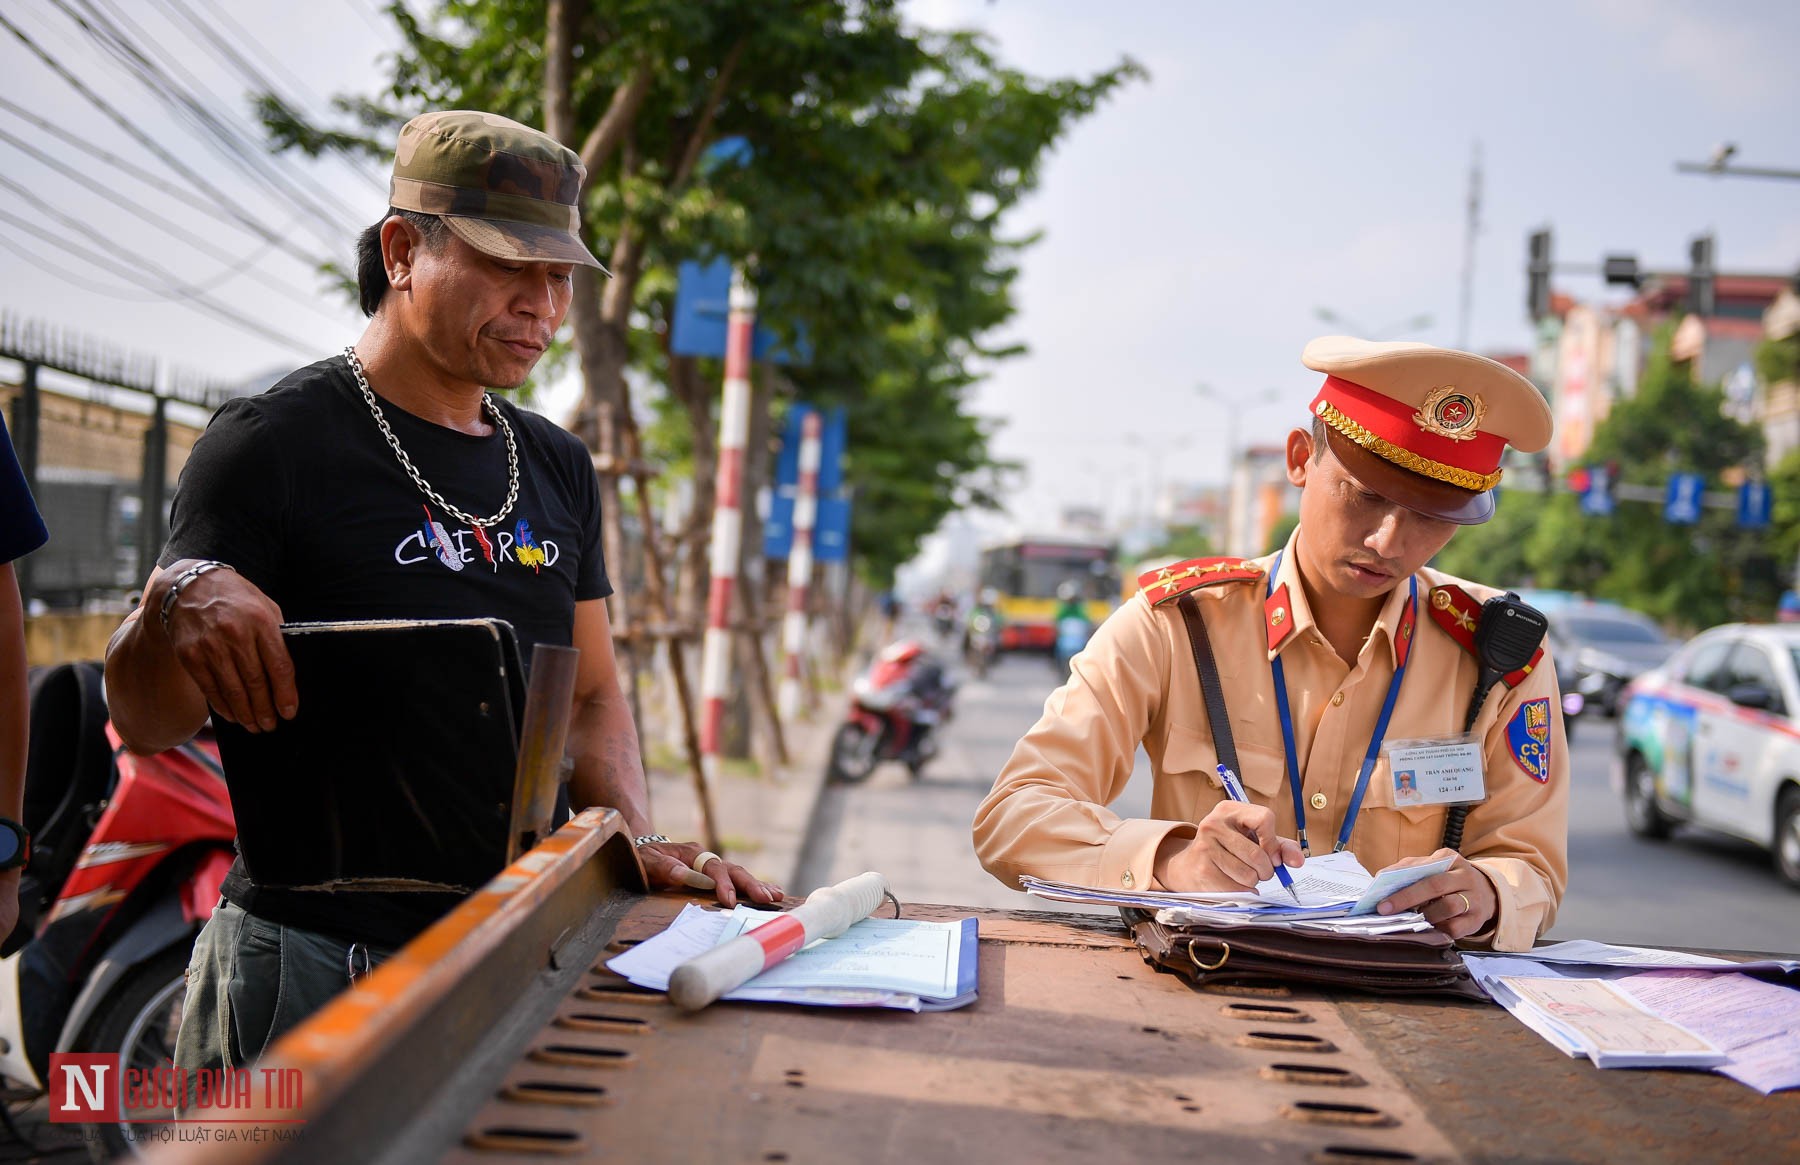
[1235, 407]
[1154, 449]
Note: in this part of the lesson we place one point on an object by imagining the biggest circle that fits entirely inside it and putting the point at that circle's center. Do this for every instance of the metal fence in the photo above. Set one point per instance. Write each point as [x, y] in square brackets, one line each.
[101, 452]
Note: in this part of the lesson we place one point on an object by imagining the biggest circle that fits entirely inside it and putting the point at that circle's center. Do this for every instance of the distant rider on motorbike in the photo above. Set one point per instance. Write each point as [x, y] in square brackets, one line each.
[1070, 623]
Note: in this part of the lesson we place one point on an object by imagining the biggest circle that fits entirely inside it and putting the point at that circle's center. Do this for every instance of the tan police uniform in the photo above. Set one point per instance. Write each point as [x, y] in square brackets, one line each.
[1137, 682]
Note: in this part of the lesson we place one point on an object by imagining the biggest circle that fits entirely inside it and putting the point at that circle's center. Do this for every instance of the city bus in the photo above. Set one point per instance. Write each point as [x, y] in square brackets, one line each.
[1025, 574]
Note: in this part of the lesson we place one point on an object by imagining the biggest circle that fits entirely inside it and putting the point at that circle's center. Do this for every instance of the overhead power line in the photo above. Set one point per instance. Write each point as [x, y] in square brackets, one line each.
[130, 46]
[227, 50]
[158, 279]
[117, 118]
[170, 227]
[235, 216]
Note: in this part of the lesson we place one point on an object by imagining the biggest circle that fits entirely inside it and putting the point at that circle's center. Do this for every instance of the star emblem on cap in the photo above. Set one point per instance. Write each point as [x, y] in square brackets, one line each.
[1450, 413]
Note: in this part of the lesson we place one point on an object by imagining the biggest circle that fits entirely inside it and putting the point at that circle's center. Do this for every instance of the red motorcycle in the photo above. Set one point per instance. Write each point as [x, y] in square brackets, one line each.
[895, 711]
[128, 855]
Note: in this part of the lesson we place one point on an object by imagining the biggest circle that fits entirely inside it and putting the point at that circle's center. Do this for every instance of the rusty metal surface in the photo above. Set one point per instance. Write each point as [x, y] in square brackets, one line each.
[1076, 1051]
[1505, 1095]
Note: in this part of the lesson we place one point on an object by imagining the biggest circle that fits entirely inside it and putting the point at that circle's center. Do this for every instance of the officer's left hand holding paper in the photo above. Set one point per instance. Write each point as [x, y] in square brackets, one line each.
[1460, 902]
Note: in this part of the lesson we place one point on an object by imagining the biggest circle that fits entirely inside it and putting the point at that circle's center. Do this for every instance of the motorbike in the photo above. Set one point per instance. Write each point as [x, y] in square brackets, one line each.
[896, 709]
[128, 856]
[1072, 634]
[943, 617]
[982, 642]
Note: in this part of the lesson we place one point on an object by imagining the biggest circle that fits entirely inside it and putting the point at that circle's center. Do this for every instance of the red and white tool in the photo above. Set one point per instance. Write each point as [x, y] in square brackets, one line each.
[827, 912]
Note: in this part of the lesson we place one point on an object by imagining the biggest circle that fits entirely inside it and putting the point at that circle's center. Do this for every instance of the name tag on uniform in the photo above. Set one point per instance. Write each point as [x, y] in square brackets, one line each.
[1442, 770]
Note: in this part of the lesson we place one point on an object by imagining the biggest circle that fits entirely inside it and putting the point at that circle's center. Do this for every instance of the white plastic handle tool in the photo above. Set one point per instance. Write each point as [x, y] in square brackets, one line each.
[827, 912]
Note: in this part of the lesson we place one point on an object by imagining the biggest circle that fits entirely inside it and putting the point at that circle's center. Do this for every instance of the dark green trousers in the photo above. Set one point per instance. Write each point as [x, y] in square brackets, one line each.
[250, 980]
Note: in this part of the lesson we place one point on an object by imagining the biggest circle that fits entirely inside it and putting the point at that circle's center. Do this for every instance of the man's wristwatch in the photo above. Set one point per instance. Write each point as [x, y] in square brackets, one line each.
[15, 844]
[647, 838]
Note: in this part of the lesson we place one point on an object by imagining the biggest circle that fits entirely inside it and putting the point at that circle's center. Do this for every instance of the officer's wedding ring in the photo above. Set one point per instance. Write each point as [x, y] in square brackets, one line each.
[694, 877]
[1467, 905]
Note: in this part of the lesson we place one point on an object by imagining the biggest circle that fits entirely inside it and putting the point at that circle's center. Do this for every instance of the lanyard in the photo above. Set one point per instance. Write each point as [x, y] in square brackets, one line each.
[1369, 759]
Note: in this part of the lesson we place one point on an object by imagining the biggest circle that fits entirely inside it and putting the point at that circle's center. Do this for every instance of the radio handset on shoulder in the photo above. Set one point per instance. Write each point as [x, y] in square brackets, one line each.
[1509, 634]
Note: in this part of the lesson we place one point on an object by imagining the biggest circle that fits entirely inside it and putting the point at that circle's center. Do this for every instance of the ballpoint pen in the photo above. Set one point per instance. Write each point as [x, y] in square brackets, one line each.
[1235, 790]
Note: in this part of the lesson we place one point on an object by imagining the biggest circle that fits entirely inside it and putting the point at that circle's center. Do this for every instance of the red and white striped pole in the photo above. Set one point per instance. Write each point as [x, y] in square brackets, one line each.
[800, 564]
[728, 520]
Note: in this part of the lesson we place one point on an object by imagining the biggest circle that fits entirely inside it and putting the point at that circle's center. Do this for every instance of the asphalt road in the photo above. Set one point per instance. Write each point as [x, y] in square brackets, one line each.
[1695, 890]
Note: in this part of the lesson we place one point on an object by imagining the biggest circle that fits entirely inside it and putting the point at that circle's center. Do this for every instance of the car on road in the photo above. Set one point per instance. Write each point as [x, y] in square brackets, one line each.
[1606, 646]
[1712, 738]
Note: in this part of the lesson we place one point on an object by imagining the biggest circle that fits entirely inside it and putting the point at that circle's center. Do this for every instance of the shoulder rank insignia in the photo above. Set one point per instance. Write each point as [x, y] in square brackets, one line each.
[1170, 582]
[1459, 615]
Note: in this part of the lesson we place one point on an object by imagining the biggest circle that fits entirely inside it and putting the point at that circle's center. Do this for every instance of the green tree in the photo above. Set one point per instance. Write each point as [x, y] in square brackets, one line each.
[882, 161]
[1687, 576]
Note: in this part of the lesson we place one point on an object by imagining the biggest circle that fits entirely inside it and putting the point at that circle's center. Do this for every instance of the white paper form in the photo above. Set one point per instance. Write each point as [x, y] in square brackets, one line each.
[888, 954]
[650, 963]
[1612, 1027]
[1330, 886]
[697, 930]
[1599, 954]
[1757, 1023]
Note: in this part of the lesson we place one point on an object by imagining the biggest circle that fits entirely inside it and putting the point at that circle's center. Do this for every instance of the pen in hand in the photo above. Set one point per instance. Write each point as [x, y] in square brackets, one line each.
[1235, 790]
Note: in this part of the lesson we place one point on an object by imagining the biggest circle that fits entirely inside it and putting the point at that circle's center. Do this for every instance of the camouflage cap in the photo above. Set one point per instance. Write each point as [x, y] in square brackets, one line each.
[504, 188]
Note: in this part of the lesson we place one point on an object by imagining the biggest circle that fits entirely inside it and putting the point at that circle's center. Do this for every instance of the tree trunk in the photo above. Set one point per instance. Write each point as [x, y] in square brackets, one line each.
[696, 397]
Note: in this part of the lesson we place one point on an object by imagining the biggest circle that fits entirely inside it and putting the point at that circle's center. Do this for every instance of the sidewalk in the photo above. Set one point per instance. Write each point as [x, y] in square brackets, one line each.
[763, 818]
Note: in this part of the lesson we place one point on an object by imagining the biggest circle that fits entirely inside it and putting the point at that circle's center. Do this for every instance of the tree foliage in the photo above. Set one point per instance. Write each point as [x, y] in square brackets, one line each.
[1686, 576]
[881, 161]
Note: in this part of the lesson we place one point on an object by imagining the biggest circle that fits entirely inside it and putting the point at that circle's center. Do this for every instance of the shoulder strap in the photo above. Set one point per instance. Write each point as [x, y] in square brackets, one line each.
[1210, 687]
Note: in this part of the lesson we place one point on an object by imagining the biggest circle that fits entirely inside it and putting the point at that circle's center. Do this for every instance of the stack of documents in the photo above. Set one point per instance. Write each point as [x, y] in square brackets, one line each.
[878, 962]
[1746, 1029]
[1335, 893]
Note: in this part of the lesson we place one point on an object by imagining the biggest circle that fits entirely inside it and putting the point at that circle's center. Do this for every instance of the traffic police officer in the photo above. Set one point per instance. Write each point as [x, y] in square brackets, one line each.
[1338, 650]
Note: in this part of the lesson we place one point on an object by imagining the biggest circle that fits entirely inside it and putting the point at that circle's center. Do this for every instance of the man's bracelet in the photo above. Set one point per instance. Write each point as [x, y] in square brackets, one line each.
[647, 838]
[183, 579]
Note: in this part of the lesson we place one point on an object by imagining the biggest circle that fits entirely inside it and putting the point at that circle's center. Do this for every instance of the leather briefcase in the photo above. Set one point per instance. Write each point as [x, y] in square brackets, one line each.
[1411, 963]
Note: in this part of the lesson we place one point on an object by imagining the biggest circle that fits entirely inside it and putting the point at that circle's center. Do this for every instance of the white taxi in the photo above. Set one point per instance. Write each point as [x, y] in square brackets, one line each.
[1712, 737]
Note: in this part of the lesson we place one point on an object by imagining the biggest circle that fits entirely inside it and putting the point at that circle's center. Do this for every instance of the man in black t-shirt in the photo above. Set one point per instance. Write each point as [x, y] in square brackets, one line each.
[387, 482]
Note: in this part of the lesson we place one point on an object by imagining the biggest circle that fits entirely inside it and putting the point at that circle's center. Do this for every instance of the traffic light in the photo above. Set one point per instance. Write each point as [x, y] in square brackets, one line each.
[1702, 290]
[1537, 275]
[1622, 270]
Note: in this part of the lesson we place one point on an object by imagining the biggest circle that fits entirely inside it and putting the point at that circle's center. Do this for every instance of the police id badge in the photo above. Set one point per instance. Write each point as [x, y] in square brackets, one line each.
[1436, 770]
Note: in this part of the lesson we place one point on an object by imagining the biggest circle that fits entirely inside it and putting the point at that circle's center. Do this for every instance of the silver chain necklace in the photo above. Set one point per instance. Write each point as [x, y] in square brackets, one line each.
[493, 411]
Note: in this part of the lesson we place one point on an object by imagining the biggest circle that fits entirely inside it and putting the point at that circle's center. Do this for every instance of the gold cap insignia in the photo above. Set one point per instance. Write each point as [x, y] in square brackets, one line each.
[1452, 414]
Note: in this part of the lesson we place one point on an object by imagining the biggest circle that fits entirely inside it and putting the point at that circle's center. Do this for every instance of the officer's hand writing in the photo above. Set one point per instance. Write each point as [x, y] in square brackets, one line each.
[667, 862]
[1234, 847]
[1460, 901]
[226, 634]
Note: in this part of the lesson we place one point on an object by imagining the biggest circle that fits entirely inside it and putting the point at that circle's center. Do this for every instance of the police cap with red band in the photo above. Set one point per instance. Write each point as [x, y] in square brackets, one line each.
[1424, 427]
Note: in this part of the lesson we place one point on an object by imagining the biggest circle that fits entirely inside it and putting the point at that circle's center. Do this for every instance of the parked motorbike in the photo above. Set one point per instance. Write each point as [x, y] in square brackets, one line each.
[127, 859]
[896, 709]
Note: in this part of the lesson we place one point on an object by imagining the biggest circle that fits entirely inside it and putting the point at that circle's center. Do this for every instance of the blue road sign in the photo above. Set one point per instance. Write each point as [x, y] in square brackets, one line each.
[831, 537]
[1682, 508]
[1755, 505]
[778, 530]
[702, 301]
[1597, 499]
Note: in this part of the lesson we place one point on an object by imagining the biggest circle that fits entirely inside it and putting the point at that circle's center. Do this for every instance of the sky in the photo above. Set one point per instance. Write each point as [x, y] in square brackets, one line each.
[1279, 160]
